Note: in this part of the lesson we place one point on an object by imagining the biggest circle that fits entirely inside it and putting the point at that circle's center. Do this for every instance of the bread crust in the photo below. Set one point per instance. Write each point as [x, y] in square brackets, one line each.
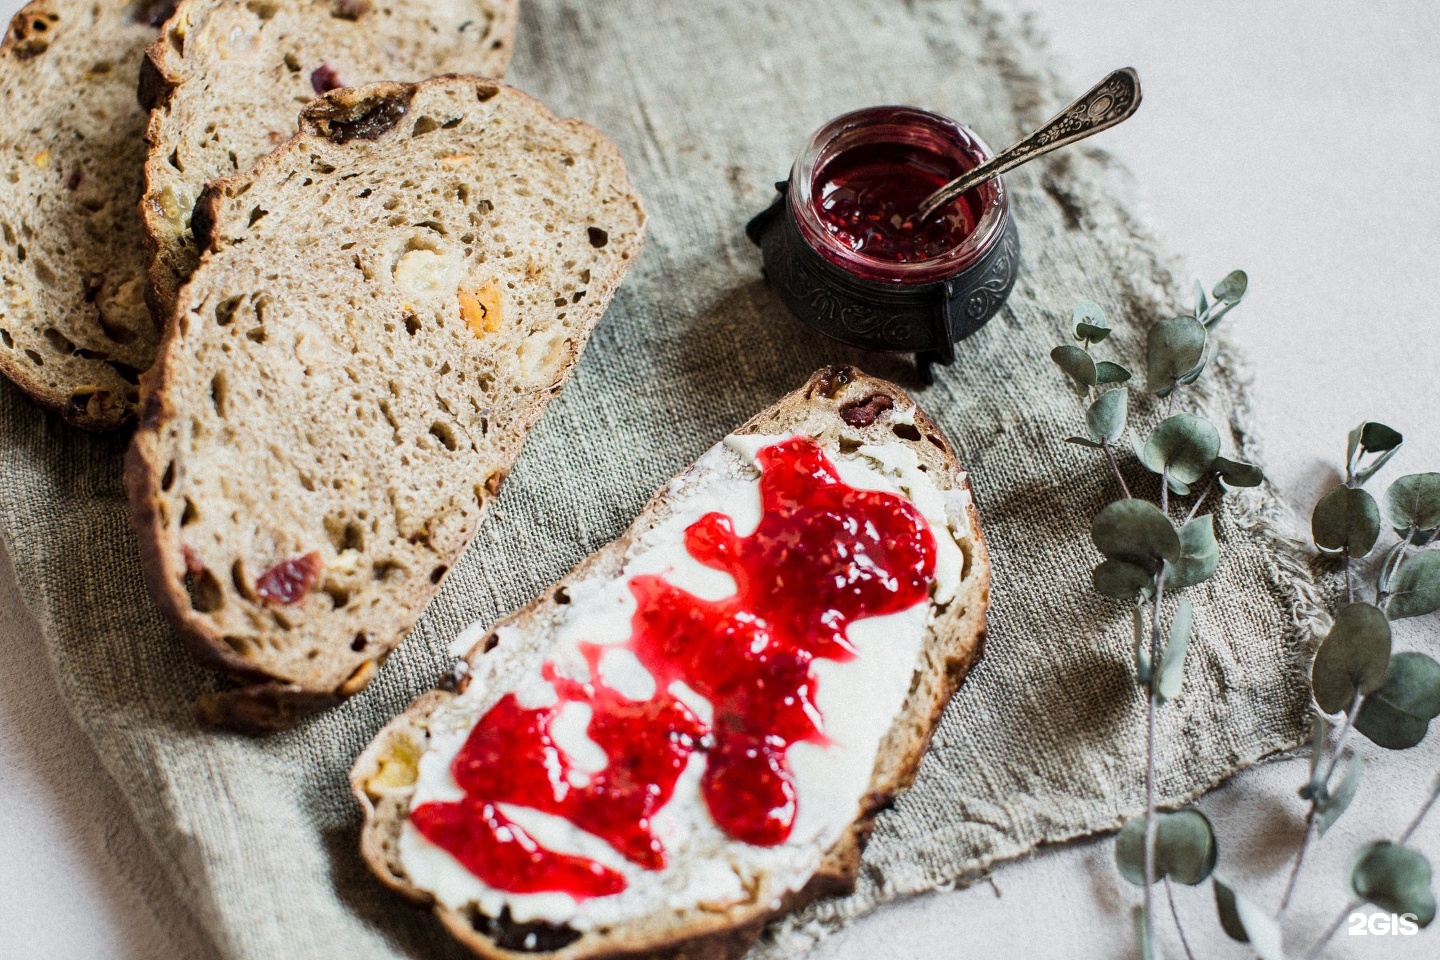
[168, 66]
[953, 645]
[266, 700]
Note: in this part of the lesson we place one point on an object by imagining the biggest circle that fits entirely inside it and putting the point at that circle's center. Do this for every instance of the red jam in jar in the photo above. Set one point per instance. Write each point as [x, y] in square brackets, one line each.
[859, 181]
[824, 554]
[868, 197]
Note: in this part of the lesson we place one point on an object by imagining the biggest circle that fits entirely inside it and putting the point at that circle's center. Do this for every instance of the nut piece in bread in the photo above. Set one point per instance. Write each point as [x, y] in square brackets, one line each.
[227, 77]
[386, 305]
[854, 418]
[75, 333]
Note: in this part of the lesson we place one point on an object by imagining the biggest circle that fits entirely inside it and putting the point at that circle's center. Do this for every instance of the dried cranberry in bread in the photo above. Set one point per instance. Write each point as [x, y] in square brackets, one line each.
[227, 78]
[386, 304]
[74, 330]
[569, 793]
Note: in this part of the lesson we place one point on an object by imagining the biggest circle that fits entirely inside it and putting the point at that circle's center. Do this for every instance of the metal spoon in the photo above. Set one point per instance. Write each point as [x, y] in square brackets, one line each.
[1106, 104]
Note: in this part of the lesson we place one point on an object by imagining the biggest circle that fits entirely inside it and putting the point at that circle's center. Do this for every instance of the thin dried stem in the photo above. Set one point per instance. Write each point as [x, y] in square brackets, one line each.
[1114, 465]
[1419, 817]
[1330, 930]
[1152, 705]
[1195, 508]
[1175, 915]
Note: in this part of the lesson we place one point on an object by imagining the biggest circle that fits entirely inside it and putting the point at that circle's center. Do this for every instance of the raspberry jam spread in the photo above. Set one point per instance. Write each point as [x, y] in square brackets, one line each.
[824, 555]
[868, 195]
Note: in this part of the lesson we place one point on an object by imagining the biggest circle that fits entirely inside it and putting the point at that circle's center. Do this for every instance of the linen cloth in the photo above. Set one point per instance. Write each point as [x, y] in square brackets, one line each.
[709, 103]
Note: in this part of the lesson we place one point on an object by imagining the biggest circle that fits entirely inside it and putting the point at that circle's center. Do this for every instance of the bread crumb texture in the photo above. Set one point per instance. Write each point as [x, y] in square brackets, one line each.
[355, 364]
[228, 78]
[75, 333]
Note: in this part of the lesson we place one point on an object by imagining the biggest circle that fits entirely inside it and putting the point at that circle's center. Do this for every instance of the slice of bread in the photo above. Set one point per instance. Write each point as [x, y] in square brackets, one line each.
[844, 411]
[74, 330]
[385, 306]
[228, 77]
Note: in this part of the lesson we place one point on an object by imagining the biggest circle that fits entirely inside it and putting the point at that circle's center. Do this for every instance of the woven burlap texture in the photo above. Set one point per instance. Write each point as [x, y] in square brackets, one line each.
[709, 104]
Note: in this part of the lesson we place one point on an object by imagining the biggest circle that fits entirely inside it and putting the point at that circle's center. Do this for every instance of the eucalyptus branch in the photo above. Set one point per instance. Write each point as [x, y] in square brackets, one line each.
[1319, 790]
[1146, 554]
[1356, 902]
[1349, 578]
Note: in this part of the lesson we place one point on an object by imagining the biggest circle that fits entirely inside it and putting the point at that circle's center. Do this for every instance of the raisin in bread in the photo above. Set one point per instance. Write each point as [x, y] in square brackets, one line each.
[74, 330]
[228, 77]
[714, 894]
[384, 307]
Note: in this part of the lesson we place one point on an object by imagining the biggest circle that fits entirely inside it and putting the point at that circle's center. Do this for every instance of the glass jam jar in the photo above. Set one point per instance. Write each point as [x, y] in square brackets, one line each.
[842, 249]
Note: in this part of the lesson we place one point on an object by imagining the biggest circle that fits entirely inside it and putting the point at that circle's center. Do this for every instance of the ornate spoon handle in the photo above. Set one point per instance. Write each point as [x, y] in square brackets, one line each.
[1109, 102]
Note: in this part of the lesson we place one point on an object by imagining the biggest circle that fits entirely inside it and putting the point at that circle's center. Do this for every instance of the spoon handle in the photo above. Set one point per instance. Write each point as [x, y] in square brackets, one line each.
[1109, 102]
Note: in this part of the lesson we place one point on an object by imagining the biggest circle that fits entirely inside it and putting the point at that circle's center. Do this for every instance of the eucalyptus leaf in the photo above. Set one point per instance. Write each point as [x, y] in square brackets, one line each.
[1346, 518]
[1228, 293]
[1413, 505]
[1415, 590]
[1193, 374]
[1244, 921]
[1333, 803]
[1199, 554]
[1078, 365]
[1202, 305]
[1091, 333]
[1176, 346]
[1171, 676]
[1352, 659]
[1389, 566]
[1232, 287]
[1137, 532]
[1178, 487]
[1185, 849]
[1142, 646]
[1398, 715]
[1396, 879]
[1371, 437]
[1084, 442]
[1088, 313]
[1237, 473]
[1136, 444]
[1108, 372]
[1183, 446]
[1121, 580]
[1106, 417]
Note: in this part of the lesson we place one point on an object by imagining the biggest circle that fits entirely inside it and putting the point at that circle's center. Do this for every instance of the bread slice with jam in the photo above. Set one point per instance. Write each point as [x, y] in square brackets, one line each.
[227, 78]
[692, 733]
[384, 307]
[75, 333]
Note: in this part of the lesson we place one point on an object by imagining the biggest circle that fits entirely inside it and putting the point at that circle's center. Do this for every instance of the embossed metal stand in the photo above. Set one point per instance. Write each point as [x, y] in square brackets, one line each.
[924, 319]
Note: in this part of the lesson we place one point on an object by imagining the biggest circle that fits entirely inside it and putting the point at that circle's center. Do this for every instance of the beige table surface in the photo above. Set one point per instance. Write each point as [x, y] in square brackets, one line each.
[1295, 138]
